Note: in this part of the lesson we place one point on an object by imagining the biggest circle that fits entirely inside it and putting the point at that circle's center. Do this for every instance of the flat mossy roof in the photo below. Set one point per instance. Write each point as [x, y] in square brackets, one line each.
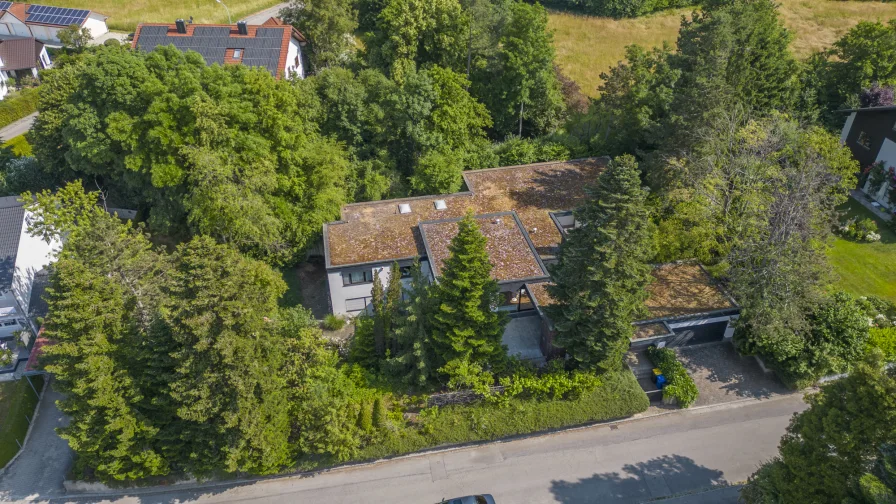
[377, 232]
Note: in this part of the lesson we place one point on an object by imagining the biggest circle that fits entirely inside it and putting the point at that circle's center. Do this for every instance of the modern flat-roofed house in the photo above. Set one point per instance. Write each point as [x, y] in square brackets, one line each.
[22, 261]
[19, 57]
[870, 133]
[273, 45]
[517, 210]
[43, 22]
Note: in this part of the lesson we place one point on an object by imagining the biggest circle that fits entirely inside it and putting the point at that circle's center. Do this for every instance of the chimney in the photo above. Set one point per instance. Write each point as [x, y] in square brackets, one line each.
[242, 28]
[181, 26]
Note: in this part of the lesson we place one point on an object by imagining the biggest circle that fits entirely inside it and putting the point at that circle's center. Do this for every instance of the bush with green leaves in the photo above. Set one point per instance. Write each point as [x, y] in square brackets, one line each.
[883, 339]
[860, 230]
[620, 8]
[18, 105]
[680, 385]
[333, 322]
[555, 383]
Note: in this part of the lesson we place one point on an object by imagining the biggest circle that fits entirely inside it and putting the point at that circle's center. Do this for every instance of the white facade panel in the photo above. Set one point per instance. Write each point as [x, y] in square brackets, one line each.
[96, 24]
[294, 60]
[847, 127]
[33, 255]
[348, 299]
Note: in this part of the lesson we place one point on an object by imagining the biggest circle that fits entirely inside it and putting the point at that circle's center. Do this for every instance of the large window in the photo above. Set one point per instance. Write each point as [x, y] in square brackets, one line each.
[357, 277]
[405, 271]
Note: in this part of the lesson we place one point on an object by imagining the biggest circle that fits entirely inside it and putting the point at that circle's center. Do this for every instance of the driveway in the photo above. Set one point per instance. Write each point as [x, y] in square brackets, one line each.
[17, 128]
[723, 376]
[41, 467]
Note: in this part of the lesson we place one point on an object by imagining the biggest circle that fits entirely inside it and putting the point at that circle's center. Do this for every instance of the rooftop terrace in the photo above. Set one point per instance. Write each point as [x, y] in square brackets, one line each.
[377, 232]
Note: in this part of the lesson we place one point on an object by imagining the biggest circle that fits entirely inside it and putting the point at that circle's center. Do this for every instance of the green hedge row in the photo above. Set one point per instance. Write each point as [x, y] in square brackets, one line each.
[619, 8]
[680, 385]
[18, 105]
[617, 396]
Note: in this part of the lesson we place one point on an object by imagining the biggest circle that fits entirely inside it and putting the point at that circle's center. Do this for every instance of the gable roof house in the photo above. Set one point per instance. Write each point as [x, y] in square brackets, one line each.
[22, 275]
[273, 45]
[19, 57]
[43, 22]
[870, 133]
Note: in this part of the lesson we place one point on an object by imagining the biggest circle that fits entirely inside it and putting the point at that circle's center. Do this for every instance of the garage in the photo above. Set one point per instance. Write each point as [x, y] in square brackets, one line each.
[698, 334]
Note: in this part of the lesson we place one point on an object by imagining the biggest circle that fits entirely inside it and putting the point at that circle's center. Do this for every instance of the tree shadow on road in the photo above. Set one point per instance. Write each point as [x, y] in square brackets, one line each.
[659, 477]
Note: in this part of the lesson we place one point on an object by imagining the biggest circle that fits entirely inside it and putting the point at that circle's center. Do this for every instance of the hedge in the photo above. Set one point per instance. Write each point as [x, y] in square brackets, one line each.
[617, 396]
[679, 384]
[19, 145]
[18, 105]
[619, 8]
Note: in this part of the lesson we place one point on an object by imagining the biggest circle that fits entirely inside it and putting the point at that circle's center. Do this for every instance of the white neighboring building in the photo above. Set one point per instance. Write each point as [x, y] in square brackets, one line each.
[22, 258]
[43, 22]
[20, 56]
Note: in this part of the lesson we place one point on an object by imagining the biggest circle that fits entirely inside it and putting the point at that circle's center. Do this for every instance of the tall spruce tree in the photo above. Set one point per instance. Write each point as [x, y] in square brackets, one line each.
[464, 325]
[377, 301]
[228, 392]
[414, 358]
[392, 306]
[603, 269]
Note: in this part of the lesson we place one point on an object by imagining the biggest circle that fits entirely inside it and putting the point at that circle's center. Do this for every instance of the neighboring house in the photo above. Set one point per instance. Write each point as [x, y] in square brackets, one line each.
[870, 133]
[43, 22]
[272, 45]
[22, 261]
[20, 57]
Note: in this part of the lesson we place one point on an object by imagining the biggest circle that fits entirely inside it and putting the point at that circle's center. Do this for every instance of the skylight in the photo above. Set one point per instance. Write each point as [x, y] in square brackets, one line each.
[404, 208]
[440, 204]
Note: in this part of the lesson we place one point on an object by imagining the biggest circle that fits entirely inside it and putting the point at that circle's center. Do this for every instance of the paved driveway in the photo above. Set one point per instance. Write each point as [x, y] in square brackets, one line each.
[722, 375]
[41, 467]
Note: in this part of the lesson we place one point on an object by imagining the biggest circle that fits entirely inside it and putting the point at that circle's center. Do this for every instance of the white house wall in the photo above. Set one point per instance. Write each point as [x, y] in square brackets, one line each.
[41, 32]
[340, 293]
[295, 50]
[97, 25]
[33, 255]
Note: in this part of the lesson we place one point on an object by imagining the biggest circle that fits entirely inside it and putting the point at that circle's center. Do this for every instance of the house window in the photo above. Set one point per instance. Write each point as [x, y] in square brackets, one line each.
[864, 140]
[237, 54]
[405, 271]
[45, 59]
[357, 277]
[10, 323]
[356, 304]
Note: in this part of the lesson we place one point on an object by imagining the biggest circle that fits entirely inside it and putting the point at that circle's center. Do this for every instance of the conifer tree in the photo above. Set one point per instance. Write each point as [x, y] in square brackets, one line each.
[414, 359]
[391, 306]
[464, 324]
[603, 270]
[377, 301]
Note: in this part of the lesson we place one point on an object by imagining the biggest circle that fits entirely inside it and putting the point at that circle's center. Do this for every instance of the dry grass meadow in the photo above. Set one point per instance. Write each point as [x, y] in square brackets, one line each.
[587, 46]
[125, 14]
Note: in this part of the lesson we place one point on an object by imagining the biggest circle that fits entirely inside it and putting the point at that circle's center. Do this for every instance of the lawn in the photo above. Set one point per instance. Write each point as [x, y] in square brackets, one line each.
[865, 268]
[16, 400]
[125, 14]
[587, 46]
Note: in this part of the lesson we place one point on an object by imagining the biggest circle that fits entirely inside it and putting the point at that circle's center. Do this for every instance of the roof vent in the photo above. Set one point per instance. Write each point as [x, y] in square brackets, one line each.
[440, 204]
[181, 26]
[242, 28]
[404, 208]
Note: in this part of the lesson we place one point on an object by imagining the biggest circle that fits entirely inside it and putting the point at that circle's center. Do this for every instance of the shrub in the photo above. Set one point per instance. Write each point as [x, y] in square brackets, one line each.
[333, 322]
[6, 356]
[365, 418]
[883, 339]
[17, 106]
[379, 414]
[679, 385]
[19, 146]
[863, 230]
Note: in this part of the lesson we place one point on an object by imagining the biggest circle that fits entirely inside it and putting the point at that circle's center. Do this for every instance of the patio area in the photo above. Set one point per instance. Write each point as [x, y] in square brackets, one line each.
[522, 336]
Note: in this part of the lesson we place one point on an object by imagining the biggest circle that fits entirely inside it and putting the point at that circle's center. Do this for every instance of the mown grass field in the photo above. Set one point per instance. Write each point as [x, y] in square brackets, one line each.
[865, 268]
[125, 14]
[587, 46]
[17, 399]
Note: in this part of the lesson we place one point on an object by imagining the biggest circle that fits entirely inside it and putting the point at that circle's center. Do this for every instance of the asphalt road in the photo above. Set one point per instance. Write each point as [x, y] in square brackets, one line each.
[631, 462]
[17, 128]
[262, 16]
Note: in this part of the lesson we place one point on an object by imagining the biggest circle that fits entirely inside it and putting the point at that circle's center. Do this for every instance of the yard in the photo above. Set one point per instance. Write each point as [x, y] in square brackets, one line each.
[865, 268]
[17, 399]
[587, 45]
[125, 14]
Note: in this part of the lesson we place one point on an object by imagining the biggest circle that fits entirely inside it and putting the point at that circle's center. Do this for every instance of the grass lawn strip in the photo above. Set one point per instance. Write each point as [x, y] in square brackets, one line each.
[865, 268]
[17, 399]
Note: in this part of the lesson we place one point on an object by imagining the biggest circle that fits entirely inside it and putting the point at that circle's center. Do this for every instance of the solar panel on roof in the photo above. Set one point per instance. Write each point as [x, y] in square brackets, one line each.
[55, 15]
[5, 5]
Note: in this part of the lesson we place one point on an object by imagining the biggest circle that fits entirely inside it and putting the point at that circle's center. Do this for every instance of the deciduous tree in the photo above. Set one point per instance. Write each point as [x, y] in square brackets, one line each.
[328, 25]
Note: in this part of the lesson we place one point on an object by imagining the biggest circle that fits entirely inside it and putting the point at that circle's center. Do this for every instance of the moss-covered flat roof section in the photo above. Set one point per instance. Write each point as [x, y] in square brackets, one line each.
[540, 292]
[377, 232]
[510, 254]
[650, 330]
[684, 289]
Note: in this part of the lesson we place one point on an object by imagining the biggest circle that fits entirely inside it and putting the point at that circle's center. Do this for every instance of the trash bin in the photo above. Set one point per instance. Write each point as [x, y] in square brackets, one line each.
[660, 381]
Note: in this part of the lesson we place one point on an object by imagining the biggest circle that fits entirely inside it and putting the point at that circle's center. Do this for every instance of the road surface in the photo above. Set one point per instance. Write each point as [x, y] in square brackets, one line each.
[261, 17]
[631, 462]
[17, 128]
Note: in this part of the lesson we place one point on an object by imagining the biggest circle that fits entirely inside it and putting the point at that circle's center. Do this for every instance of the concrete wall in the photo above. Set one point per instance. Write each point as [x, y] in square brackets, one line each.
[339, 293]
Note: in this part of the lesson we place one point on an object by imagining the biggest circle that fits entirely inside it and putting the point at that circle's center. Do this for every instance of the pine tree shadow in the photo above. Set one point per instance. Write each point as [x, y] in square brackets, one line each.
[659, 477]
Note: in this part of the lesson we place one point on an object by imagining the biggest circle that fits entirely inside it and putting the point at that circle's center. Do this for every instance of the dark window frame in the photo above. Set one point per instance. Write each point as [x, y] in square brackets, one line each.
[366, 303]
[238, 53]
[367, 278]
[405, 271]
